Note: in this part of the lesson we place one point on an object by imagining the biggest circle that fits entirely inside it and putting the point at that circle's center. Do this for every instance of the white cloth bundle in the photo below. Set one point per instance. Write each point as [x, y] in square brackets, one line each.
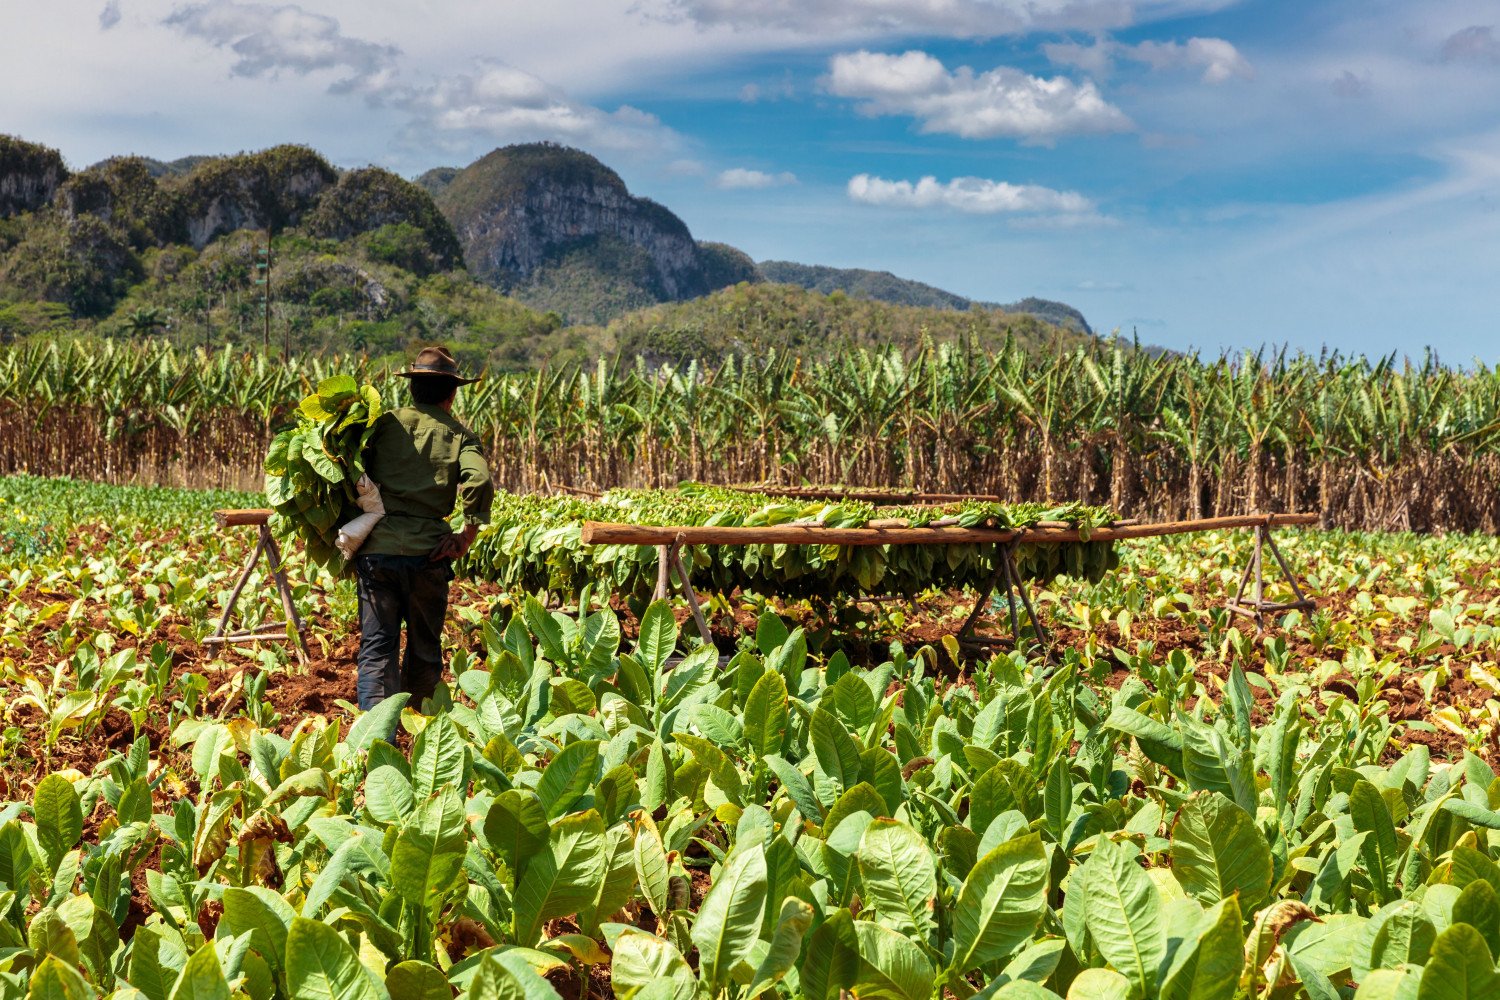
[353, 534]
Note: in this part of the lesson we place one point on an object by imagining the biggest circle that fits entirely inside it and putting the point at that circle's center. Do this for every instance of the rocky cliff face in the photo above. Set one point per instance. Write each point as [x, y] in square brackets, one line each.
[523, 210]
[30, 175]
[274, 188]
[520, 236]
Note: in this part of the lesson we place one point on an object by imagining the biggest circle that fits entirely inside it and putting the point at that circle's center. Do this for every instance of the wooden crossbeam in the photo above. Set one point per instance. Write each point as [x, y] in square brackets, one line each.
[235, 518]
[610, 533]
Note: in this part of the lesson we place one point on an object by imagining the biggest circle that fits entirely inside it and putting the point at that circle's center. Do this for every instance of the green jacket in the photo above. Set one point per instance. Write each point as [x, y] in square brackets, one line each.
[424, 461]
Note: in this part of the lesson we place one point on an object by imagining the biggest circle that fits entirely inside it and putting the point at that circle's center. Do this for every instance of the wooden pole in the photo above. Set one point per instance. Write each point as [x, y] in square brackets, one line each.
[607, 533]
[293, 618]
[239, 586]
[663, 574]
[236, 518]
[691, 595]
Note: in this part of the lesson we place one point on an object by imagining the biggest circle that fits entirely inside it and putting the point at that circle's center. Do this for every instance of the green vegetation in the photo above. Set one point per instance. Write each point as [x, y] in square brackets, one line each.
[1370, 444]
[602, 801]
[312, 469]
[405, 227]
[360, 261]
[883, 286]
[590, 280]
[751, 318]
[533, 543]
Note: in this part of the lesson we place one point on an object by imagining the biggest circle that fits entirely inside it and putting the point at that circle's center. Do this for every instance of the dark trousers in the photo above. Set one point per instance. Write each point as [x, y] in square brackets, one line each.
[396, 590]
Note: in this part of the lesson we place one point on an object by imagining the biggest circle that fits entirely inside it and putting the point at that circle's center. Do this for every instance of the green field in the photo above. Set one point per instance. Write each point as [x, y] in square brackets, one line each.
[840, 798]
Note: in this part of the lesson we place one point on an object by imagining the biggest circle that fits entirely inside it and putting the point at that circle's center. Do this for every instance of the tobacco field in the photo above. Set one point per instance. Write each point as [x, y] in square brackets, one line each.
[1372, 443]
[837, 798]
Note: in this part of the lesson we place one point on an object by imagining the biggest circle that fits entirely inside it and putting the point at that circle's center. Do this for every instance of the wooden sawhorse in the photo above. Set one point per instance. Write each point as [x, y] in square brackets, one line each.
[261, 519]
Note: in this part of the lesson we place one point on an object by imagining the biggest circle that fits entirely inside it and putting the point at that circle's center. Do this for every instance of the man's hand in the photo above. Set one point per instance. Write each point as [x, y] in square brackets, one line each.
[455, 545]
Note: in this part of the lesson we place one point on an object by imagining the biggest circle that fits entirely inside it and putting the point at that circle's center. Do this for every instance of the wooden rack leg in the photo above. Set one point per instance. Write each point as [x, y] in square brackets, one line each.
[1042, 635]
[293, 618]
[663, 574]
[1239, 592]
[1260, 584]
[985, 596]
[690, 594]
[1291, 577]
[239, 587]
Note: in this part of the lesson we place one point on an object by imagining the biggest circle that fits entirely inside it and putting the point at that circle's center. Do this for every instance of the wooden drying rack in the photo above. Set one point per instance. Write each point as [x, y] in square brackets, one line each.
[670, 540]
[260, 519]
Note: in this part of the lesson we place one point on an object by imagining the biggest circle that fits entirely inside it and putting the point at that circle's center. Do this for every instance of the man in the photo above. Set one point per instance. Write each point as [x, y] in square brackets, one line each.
[424, 461]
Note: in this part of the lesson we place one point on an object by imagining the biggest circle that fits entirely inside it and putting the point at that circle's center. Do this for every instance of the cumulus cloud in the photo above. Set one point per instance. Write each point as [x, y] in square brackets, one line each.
[1218, 59]
[503, 103]
[973, 195]
[110, 15]
[269, 39]
[737, 178]
[956, 18]
[1476, 43]
[1000, 102]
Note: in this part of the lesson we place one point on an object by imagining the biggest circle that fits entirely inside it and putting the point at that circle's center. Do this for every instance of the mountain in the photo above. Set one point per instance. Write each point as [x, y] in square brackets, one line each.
[29, 175]
[360, 259]
[534, 253]
[750, 318]
[883, 286]
[560, 231]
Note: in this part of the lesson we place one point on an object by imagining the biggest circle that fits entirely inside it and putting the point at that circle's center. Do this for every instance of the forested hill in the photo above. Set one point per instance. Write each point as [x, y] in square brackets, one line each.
[883, 286]
[533, 253]
[754, 317]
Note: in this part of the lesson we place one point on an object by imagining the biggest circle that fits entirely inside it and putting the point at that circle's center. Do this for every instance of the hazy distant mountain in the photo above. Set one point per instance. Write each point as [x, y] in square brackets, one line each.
[884, 286]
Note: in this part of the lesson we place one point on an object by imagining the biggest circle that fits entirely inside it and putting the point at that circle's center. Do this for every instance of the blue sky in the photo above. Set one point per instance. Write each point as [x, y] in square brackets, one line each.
[1207, 173]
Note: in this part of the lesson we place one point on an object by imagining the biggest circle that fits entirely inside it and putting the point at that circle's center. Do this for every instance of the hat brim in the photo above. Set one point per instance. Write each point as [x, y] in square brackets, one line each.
[426, 374]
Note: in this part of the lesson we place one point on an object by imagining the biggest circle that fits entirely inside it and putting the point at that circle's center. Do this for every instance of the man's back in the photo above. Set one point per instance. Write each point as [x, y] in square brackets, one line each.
[424, 460]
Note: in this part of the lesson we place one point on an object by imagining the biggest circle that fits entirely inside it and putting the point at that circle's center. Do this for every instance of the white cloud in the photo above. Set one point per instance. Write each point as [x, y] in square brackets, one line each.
[739, 178]
[493, 102]
[1000, 102]
[268, 39]
[956, 18]
[1476, 43]
[972, 195]
[1218, 59]
[1096, 59]
[110, 15]
[502, 103]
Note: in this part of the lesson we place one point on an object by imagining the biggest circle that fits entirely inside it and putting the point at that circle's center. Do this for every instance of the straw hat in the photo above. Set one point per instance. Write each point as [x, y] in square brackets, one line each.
[435, 361]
